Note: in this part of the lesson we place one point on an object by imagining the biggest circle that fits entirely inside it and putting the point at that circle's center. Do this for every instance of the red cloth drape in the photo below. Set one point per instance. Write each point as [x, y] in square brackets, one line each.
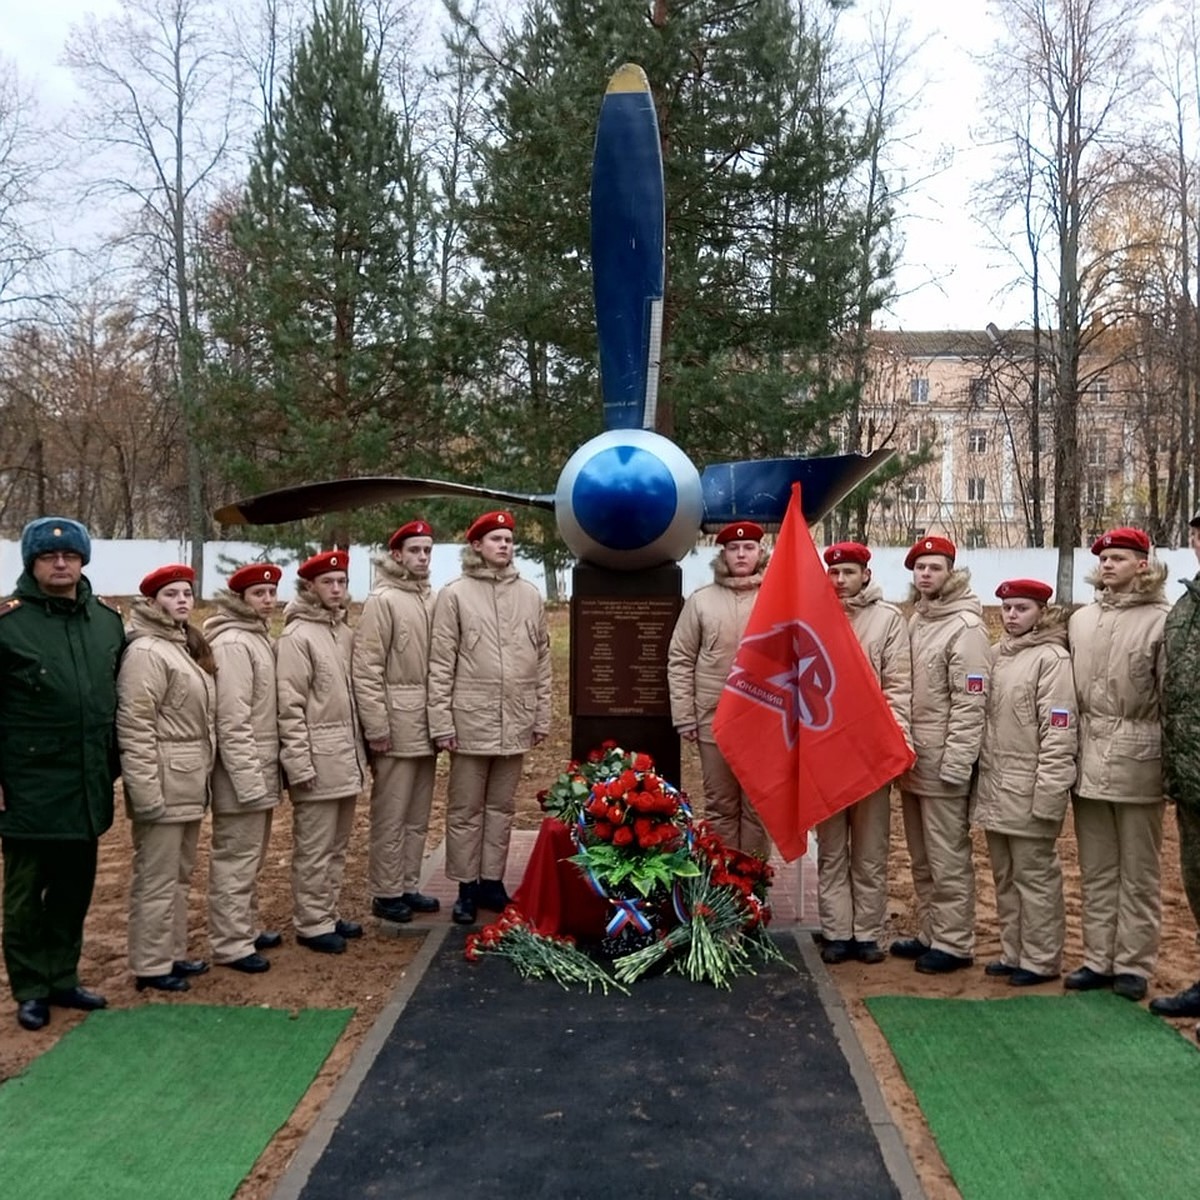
[553, 896]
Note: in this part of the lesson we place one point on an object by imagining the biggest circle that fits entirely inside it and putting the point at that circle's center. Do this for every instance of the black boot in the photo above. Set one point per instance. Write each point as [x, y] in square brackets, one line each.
[490, 894]
[465, 907]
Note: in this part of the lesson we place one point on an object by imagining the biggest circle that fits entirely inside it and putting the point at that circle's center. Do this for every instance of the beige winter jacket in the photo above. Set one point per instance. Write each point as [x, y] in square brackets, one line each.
[705, 641]
[1030, 735]
[1118, 652]
[166, 706]
[489, 661]
[880, 629]
[319, 738]
[391, 660]
[246, 776]
[950, 663]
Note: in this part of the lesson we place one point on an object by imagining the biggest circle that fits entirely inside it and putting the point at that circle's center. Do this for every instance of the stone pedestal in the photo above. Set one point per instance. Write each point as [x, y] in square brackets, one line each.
[621, 626]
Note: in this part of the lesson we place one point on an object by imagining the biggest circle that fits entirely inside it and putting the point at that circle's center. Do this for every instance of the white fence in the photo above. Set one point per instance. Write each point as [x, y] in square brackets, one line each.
[117, 566]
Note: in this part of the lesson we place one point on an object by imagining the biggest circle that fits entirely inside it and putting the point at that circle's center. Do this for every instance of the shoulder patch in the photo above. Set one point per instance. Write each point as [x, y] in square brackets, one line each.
[9, 605]
[112, 608]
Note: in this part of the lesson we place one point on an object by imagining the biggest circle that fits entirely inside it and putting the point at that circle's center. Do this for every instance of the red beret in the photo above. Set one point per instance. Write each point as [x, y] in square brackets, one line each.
[1025, 589]
[417, 528]
[1124, 538]
[847, 552]
[740, 531]
[161, 576]
[484, 525]
[247, 576]
[323, 563]
[930, 545]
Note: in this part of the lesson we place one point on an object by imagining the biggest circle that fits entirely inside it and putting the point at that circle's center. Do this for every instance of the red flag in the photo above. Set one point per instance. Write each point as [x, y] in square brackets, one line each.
[802, 722]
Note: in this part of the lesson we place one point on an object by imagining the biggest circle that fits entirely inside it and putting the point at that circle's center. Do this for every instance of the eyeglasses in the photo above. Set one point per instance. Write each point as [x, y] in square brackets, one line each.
[52, 556]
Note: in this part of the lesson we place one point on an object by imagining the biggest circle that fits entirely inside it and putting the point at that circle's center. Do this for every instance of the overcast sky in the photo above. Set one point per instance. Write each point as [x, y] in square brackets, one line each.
[947, 278]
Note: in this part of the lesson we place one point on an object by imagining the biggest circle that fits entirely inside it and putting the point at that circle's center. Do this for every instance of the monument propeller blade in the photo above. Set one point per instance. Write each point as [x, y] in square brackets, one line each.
[758, 490]
[336, 495]
[628, 234]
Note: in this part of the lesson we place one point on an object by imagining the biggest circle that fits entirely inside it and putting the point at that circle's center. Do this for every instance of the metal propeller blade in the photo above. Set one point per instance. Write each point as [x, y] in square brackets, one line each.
[759, 489]
[335, 495]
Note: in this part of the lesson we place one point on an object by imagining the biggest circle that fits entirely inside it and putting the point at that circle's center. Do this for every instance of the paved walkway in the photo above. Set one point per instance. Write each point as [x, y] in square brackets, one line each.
[812, 1099]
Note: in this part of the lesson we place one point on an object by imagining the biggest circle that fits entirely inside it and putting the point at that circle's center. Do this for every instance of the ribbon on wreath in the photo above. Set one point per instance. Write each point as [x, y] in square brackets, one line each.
[629, 912]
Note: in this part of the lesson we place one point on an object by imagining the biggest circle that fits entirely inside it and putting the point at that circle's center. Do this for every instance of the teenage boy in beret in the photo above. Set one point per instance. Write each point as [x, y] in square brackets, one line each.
[950, 660]
[1118, 653]
[489, 702]
[1181, 754]
[391, 672]
[59, 652]
[246, 779]
[852, 845]
[1026, 769]
[702, 649]
[320, 747]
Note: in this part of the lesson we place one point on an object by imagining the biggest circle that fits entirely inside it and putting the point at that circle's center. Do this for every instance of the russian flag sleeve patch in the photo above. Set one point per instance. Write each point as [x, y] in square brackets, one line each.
[1060, 718]
[976, 683]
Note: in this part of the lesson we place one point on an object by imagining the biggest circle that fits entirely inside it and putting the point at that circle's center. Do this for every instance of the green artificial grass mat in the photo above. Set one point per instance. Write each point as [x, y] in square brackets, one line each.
[1051, 1096]
[160, 1100]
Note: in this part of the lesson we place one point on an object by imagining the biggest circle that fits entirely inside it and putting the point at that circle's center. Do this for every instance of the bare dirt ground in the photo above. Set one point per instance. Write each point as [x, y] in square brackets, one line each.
[365, 977]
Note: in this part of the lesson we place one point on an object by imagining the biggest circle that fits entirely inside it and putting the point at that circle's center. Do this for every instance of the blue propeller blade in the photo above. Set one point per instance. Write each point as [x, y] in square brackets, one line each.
[759, 489]
[628, 233]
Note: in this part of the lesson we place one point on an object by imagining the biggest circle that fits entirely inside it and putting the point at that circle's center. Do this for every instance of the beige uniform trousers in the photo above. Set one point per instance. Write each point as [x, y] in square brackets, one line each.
[852, 859]
[239, 849]
[164, 854]
[939, 843]
[320, 834]
[727, 808]
[1029, 901]
[482, 797]
[401, 798]
[1119, 871]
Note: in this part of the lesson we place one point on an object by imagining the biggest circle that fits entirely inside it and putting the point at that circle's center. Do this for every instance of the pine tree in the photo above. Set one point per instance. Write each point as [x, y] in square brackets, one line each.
[762, 222]
[317, 289]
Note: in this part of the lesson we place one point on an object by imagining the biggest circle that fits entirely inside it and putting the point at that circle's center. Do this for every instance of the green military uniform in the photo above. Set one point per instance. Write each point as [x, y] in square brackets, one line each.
[1181, 732]
[58, 700]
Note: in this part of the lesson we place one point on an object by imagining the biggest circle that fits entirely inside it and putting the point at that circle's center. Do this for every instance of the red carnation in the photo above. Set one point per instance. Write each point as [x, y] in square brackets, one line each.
[642, 762]
[616, 813]
[603, 830]
[608, 744]
[622, 835]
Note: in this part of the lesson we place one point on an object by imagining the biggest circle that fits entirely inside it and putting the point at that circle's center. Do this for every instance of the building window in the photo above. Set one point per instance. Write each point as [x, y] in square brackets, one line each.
[914, 489]
[918, 390]
[977, 441]
[1093, 492]
[1096, 449]
[976, 538]
[914, 441]
[975, 488]
[1100, 389]
[978, 391]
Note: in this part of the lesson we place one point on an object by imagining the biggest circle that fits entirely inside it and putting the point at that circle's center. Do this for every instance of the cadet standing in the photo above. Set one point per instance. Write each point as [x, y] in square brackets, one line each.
[166, 728]
[852, 845]
[391, 670]
[950, 654]
[702, 650]
[1118, 654]
[1026, 769]
[320, 747]
[489, 702]
[59, 650]
[246, 781]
